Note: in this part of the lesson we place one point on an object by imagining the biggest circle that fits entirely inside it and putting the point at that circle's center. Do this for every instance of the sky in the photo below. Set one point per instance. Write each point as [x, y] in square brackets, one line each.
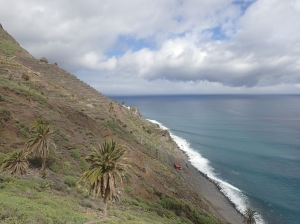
[139, 47]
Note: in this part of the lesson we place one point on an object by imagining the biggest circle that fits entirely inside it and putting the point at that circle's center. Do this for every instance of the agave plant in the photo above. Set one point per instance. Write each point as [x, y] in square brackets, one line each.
[16, 163]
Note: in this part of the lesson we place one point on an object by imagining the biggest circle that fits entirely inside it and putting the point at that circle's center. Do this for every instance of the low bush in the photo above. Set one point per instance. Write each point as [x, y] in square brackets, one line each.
[84, 166]
[88, 204]
[126, 178]
[4, 114]
[24, 129]
[54, 167]
[172, 204]
[68, 169]
[2, 156]
[83, 191]
[25, 77]
[70, 181]
[75, 153]
[150, 191]
[128, 189]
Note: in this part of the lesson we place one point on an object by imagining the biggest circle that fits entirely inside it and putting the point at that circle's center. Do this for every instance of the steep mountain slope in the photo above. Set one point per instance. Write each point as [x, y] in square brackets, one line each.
[152, 190]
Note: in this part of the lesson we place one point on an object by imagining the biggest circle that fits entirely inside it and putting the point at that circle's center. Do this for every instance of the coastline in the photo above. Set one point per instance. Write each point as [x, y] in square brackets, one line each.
[221, 206]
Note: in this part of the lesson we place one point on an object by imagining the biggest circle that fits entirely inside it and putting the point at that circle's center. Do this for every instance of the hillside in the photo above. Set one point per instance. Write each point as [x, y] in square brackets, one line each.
[152, 190]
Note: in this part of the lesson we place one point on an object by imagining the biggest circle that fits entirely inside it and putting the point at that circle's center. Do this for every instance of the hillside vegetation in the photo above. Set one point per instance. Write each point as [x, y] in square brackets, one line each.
[152, 191]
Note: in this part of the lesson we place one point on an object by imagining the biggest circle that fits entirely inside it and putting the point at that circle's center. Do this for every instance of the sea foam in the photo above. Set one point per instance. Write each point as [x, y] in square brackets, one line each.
[234, 194]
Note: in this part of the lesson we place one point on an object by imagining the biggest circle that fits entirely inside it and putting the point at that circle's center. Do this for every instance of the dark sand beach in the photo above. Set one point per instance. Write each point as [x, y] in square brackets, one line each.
[220, 205]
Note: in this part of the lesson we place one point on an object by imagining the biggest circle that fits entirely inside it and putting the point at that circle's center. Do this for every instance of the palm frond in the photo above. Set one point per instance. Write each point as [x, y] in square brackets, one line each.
[250, 216]
[16, 163]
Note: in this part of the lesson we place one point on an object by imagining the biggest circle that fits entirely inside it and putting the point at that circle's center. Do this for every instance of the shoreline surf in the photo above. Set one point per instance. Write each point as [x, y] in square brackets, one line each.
[235, 196]
[251, 142]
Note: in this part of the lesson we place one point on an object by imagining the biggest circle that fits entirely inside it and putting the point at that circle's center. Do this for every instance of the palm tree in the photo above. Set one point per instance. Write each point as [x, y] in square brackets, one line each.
[249, 216]
[16, 163]
[105, 170]
[40, 140]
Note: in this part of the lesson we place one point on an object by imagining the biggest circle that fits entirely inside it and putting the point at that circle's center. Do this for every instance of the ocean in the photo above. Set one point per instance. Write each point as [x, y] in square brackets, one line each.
[248, 144]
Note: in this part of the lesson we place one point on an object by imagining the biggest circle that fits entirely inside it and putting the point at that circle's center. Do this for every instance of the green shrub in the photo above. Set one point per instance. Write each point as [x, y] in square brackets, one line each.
[91, 134]
[68, 169]
[54, 167]
[150, 190]
[6, 178]
[24, 129]
[88, 204]
[126, 178]
[171, 203]
[83, 191]
[58, 186]
[61, 135]
[2, 99]
[38, 97]
[4, 114]
[84, 166]
[2, 156]
[70, 181]
[75, 153]
[42, 184]
[127, 189]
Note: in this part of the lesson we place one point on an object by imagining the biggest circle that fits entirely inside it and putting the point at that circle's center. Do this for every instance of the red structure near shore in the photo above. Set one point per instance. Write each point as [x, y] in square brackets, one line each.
[177, 166]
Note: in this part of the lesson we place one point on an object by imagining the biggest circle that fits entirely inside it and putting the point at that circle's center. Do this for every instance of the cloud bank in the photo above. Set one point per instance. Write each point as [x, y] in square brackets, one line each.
[165, 47]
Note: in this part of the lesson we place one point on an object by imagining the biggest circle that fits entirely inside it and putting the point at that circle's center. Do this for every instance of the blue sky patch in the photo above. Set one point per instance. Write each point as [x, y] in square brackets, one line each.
[218, 34]
[125, 43]
[243, 4]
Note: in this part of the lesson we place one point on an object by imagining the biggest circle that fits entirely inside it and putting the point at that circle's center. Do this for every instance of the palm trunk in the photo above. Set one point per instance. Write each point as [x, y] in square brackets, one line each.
[43, 163]
[105, 205]
[106, 198]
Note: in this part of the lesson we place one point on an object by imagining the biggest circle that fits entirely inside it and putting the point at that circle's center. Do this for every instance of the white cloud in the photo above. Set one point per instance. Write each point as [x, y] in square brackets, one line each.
[188, 45]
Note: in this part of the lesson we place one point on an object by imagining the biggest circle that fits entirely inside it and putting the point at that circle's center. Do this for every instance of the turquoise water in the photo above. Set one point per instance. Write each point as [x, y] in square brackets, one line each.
[249, 144]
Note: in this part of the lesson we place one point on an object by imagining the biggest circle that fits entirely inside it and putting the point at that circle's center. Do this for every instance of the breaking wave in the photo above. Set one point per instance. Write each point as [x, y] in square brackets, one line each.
[234, 194]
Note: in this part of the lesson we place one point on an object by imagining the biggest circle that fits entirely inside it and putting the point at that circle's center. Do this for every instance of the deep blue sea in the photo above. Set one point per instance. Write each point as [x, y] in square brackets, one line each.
[250, 144]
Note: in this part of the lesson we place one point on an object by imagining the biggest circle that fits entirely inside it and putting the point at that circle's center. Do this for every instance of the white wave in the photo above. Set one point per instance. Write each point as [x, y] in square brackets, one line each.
[234, 194]
[159, 124]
